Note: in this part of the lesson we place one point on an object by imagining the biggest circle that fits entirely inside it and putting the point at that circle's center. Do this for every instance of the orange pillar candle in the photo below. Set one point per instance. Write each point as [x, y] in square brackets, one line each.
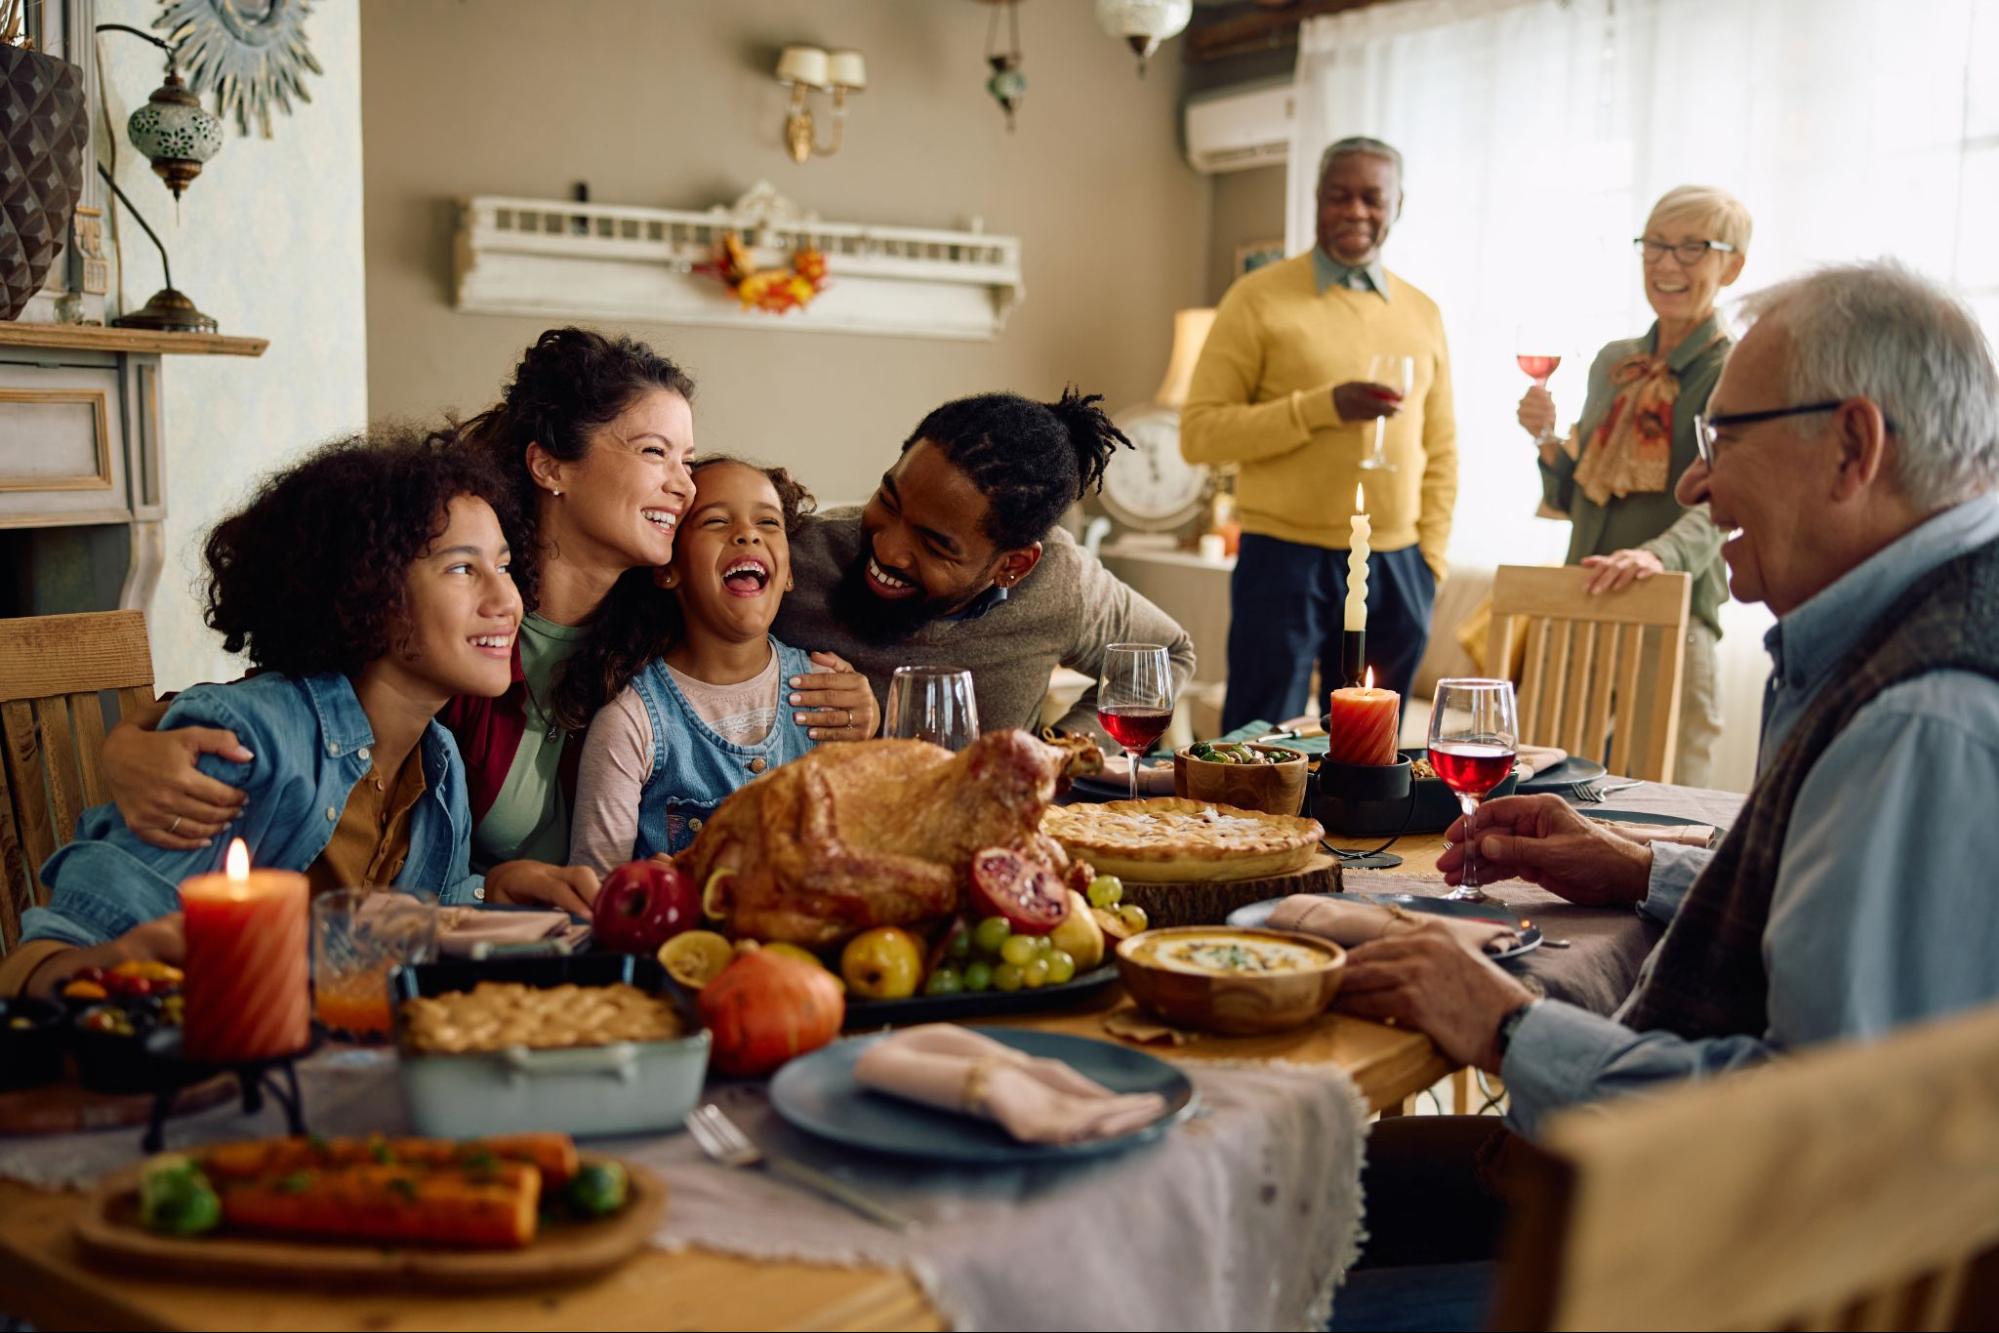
[1360, 725]
[247, 956]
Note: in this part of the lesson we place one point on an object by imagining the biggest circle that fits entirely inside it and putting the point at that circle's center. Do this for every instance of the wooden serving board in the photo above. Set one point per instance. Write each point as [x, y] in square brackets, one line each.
[1203, 903]
[110, 1235]
[62, 1108]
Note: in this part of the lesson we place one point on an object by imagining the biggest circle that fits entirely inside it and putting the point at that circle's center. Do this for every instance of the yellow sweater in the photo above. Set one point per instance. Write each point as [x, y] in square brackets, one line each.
[1262, 399]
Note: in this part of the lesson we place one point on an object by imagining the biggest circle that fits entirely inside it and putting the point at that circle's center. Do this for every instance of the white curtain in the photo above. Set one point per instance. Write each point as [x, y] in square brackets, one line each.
[1537, 134]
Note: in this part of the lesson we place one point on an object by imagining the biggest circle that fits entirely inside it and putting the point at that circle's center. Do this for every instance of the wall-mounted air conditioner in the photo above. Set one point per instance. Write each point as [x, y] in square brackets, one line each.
[1237, 128]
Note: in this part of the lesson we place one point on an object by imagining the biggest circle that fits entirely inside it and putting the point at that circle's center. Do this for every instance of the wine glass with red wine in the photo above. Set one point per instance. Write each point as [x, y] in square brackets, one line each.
[1135, 698]
[1474, 737]
[1536, 358]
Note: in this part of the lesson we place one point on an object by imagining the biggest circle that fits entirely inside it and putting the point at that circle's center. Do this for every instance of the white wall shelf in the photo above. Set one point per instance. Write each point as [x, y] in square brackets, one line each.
[598, 261]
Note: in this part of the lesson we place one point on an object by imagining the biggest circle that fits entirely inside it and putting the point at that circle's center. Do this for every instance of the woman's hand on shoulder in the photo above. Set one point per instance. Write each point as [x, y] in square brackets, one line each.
[572, 889]
[835, 703]
[164, 799]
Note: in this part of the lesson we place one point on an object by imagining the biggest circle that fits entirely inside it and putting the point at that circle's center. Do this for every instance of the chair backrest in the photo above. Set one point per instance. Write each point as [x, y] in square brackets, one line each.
[1603, 668]
[1855, 1186]
[51, 670]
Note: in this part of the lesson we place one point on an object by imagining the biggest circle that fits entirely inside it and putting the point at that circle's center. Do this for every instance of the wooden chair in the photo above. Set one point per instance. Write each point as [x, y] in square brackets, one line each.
[1589, 658]
[52, 717]
[1853, 1187]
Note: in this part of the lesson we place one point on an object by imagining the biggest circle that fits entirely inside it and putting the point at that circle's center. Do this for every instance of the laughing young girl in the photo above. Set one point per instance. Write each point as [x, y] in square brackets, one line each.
[710, 713]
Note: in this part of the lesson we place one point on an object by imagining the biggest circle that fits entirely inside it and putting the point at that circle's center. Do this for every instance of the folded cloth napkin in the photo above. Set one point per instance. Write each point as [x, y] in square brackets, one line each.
[1533, 759]
[1035, 1100]
[474, 932]
[1691, 835]
[1347, 923]
[1153, 779]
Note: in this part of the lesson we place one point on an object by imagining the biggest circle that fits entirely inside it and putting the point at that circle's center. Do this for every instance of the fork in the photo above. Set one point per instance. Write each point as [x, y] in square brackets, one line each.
[1594, 790]
[721, 1139]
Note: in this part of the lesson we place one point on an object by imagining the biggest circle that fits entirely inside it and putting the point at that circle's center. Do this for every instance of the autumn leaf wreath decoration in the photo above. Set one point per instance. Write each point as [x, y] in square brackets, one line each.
[776, 291]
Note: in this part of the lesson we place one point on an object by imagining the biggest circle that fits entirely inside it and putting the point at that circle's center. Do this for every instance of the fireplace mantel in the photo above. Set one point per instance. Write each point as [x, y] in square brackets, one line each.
[82, 472]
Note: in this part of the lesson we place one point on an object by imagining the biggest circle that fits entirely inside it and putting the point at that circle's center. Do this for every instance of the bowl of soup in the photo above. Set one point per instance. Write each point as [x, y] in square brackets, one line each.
[1229, 980]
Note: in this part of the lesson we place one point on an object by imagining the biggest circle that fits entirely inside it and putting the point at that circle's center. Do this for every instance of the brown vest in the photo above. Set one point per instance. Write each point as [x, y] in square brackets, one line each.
[1707, 978]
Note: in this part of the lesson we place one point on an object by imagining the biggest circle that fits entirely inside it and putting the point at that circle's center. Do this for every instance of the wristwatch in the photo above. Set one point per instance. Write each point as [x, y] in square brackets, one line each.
[1512, 1021]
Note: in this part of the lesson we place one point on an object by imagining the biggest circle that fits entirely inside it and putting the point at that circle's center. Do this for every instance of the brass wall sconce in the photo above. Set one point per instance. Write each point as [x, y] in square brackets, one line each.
[804, 68]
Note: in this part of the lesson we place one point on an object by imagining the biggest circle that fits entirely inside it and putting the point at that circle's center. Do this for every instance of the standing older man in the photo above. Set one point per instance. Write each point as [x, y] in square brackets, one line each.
[1853, 444]
[1282, 390]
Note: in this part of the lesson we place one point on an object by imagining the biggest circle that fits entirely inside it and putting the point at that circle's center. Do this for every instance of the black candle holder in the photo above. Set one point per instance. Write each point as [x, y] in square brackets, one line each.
[276, 1075]
[1365, 796]
[1353, 657]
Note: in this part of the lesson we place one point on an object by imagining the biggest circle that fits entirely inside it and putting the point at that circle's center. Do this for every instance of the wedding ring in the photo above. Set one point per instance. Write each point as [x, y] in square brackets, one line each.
[850, 719]
[176, 824]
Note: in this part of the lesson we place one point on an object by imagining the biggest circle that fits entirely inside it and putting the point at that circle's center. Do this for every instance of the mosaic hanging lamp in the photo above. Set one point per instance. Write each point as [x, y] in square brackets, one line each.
[1007, 84]
[1144, 24]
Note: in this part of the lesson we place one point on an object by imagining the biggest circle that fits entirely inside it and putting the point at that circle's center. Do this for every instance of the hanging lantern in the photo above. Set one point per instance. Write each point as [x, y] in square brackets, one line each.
[1007, 84]
[1144, 24]
[175, 132]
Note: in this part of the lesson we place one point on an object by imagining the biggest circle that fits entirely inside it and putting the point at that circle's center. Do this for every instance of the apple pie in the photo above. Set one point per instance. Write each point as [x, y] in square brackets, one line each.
[1170, 840]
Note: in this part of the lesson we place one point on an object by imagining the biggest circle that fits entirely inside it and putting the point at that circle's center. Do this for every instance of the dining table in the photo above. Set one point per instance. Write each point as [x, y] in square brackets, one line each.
[46, 1280]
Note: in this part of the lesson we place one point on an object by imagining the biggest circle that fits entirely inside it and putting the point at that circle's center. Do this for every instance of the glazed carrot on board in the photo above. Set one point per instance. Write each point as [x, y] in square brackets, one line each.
[485, 1207]
[553, 1154]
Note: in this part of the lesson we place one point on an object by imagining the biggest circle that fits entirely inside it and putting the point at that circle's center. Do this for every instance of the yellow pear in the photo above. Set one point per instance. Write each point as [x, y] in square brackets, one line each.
[1079, 935]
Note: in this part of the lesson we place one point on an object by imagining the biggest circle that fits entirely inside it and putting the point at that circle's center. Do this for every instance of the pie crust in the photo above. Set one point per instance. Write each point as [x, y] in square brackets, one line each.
[1171, 840]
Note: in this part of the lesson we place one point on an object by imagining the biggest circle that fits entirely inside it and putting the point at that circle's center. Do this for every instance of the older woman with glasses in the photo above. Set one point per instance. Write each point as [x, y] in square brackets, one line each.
[1614, 474]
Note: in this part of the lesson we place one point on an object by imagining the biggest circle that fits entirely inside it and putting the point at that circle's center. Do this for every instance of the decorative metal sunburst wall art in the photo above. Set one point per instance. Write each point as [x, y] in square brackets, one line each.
[249, 53]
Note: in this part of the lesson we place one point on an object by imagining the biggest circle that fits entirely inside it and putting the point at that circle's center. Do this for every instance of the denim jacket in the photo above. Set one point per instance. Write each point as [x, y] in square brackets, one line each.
[310, 740]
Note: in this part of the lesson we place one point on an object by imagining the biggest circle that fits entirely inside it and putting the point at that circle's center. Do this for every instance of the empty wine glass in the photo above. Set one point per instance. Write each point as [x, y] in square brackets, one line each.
[1135, 698]
[934, 704]
[1474, 737]
[1397, 373]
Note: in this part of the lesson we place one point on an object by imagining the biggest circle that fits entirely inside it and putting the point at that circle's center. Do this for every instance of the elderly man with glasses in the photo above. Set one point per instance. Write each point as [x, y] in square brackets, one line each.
[1852, 448]
[1614, 475]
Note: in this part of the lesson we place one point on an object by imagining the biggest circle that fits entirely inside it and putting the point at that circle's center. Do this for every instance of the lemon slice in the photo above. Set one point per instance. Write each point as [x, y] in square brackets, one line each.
[696, 957]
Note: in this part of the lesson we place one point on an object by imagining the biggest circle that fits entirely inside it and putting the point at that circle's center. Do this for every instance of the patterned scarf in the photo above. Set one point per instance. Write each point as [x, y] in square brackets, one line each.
[1631, 450]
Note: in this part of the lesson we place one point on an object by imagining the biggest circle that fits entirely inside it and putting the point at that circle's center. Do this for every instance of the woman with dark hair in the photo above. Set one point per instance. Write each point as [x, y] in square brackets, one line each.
[368, 584]
[593, 435]
[958, 560]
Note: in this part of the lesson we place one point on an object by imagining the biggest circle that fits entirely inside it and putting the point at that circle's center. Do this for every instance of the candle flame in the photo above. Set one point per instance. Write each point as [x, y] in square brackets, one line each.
[1359, 500]
[237, 863]
[1370, 678]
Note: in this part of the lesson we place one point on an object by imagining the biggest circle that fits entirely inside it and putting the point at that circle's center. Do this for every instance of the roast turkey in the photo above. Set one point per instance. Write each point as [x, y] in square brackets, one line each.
[875, 833]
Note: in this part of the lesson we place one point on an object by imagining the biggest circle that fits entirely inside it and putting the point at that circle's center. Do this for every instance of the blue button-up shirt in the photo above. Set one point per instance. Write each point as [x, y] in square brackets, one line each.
[310, 741]
[1883, 912]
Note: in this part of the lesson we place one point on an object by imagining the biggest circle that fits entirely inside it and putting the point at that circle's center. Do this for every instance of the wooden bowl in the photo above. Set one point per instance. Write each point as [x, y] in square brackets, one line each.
[1277, 789]
[1234, 1003]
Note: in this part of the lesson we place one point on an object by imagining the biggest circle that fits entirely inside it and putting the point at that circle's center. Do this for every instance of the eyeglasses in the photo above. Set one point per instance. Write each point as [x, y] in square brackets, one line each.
[1706, 428]
[1688, 253]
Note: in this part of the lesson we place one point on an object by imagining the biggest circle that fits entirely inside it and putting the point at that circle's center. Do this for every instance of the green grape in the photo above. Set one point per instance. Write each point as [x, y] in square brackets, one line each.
[944, 981]
[1019, 950]
[1008, 977]
[978, 975]
[1044, 945]
[990, 934]
[1105, 891]
[1061, 967]
[959, 947]
[1133, 917]
[1036, 973]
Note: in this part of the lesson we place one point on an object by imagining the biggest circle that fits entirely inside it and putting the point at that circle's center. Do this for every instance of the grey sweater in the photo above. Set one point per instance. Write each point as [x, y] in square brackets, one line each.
[1064, 613]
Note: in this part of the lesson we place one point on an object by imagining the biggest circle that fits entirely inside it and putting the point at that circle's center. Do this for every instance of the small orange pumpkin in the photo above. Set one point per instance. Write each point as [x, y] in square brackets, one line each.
[765, 1009]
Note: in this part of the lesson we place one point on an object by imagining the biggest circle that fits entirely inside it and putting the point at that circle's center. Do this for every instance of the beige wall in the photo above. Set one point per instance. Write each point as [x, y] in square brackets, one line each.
[672, 105]
[1248, 207]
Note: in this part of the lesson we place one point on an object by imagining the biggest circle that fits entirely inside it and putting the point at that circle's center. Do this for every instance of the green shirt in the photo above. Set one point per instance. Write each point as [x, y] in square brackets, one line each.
[529, 819]
[1683, 539]
[1330, 272]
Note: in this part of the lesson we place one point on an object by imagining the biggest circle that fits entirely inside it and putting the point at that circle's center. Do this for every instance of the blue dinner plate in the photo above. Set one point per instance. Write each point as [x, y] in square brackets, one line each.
[1564, 775]
[817, 1093]
[1098, 787]
[1255, 916]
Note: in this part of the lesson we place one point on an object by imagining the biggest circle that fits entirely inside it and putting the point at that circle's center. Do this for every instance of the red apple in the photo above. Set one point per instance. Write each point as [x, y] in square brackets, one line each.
[642, 905]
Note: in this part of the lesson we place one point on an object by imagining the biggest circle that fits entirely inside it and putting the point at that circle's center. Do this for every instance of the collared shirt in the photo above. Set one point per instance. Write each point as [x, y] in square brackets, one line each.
[311, 744]
[372, 840]
[1330, 272]
[1883, 912]
[981, 604]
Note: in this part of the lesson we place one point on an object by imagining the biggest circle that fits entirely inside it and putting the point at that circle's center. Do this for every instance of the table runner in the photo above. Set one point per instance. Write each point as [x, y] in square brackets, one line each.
[1246, 1216]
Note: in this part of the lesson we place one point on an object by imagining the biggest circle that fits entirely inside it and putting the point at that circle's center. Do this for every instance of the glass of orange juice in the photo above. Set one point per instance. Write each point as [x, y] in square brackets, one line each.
[358, 937]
